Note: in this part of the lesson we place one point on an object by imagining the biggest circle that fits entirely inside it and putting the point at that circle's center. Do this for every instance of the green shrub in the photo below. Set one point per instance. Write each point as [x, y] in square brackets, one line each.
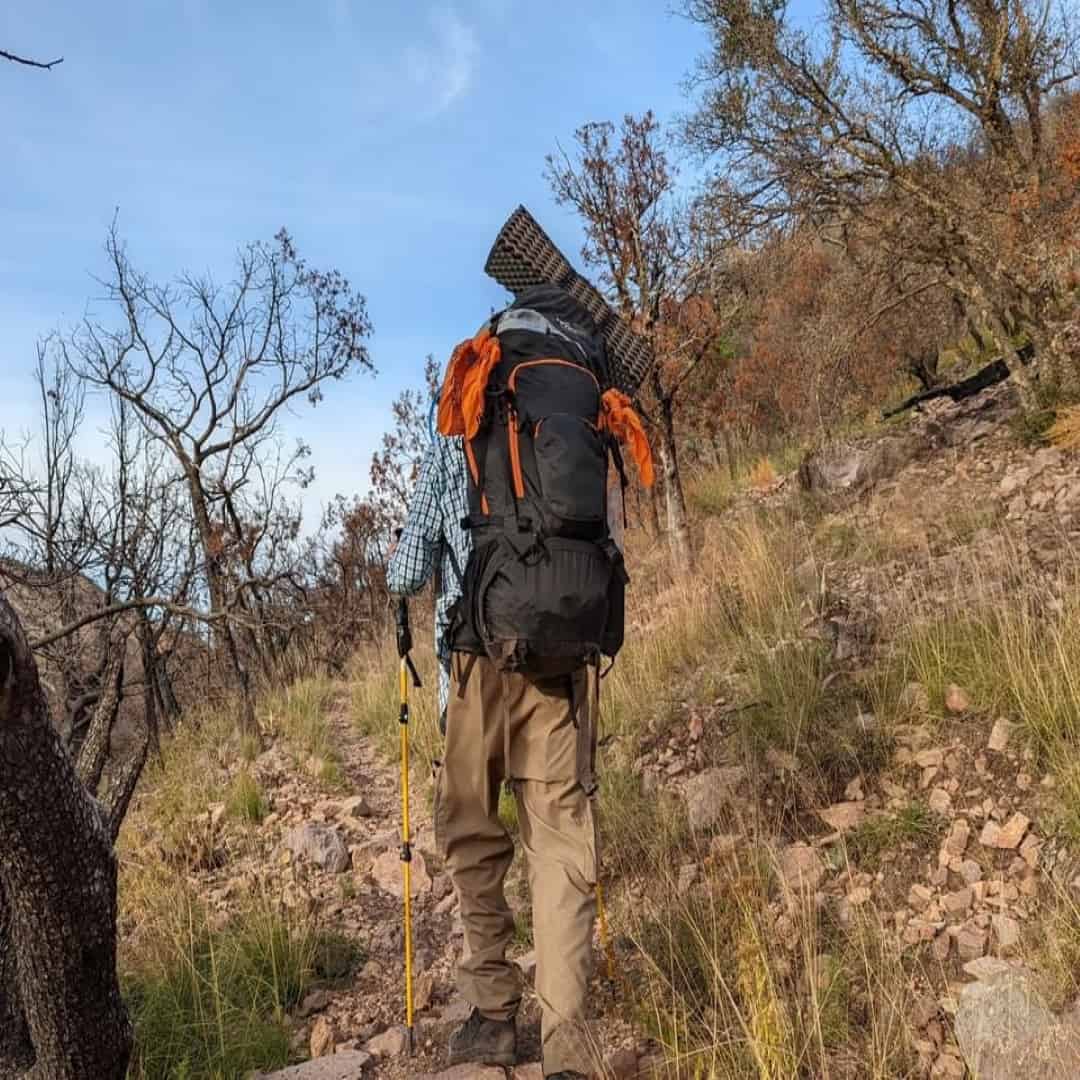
[211, 1002]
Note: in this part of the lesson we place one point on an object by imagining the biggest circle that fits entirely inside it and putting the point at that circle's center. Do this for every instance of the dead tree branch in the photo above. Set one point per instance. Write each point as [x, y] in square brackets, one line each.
[43, 65]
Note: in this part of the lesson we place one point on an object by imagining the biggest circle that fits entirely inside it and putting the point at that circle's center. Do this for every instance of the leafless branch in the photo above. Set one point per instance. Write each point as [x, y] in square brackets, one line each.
[162, 604]
[43, 65]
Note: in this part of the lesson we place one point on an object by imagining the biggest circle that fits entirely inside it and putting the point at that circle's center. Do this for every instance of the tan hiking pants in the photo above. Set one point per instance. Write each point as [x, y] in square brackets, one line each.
[537, 733]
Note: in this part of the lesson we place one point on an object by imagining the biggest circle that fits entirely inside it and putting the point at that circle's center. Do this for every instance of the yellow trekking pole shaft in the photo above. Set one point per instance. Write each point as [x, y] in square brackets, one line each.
[605, 938]
[406, 846]
[406, 670]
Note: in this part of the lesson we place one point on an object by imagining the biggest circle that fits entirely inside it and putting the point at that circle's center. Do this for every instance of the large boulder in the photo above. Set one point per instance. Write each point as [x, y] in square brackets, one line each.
[848, 469]
[1006, 1031]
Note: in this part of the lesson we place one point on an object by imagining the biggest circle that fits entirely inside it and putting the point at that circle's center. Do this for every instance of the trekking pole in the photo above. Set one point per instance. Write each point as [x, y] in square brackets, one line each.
[406, 670]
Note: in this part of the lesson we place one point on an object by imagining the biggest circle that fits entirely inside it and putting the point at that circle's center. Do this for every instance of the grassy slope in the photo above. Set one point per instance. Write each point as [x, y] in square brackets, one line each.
[738, 976]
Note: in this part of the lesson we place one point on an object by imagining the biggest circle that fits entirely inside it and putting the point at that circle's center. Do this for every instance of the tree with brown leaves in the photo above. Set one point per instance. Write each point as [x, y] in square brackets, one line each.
[921, 122]
[638, 236]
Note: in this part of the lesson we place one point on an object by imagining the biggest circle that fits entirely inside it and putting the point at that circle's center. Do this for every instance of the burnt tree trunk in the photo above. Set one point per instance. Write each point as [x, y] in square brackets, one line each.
[652, 511]
[94, 752]
[678, 525]
[16, 1052]
[224, 632]
[57, 893]
[729, 451]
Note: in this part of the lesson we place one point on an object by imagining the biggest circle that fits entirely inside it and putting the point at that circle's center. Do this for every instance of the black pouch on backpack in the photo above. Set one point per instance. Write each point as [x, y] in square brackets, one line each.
[551, 605]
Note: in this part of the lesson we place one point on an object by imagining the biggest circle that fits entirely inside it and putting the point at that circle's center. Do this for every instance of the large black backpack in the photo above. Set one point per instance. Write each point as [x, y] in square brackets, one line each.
[543, 590]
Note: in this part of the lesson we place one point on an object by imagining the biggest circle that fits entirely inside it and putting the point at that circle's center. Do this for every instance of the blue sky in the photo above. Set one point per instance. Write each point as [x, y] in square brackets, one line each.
[391, 139]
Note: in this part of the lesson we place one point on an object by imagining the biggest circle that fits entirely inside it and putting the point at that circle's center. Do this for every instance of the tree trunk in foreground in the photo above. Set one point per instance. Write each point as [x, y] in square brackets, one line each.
[57, 896]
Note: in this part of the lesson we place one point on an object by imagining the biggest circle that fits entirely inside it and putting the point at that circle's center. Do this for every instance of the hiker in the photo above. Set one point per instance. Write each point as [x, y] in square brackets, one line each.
[511, 510]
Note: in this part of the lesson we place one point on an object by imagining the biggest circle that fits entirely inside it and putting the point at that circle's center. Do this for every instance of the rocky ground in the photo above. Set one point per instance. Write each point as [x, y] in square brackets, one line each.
[964, 894]
[947, 511]
[338, 857]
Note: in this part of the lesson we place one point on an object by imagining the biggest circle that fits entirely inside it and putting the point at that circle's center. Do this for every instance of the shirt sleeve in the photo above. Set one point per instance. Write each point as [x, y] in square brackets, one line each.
[413, 562]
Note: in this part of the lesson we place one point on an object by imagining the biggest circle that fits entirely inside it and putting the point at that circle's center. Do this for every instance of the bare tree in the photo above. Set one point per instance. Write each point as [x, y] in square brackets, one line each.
[396, 465]
[48, 544]
[345, 597]
[210, 370]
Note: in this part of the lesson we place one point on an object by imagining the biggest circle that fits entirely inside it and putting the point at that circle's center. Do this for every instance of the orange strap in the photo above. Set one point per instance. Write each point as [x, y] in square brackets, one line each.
[461, 403]
[618, 417]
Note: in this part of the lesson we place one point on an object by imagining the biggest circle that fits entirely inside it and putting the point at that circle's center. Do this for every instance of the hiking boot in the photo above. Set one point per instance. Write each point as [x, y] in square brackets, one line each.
[484, 1042]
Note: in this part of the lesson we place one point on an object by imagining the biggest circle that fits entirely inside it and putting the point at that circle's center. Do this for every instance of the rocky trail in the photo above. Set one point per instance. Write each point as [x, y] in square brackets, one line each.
[951, 845]
[336, 856]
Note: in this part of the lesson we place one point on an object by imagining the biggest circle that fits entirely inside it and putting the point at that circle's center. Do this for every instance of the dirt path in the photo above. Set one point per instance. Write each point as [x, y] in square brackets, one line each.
[365, 903]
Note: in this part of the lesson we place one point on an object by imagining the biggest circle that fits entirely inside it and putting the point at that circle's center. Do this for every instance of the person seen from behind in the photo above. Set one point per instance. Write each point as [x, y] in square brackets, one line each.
[514, 515]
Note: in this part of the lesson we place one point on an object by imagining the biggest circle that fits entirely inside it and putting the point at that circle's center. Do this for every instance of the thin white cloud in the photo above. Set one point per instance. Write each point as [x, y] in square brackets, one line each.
[442, 67]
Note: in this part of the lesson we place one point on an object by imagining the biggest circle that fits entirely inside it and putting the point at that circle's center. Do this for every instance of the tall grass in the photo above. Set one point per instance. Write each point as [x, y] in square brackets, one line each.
[375, 701]
[212, 1002]
[298, 712]
[730, 997]
[244, 800]
[1016, 655]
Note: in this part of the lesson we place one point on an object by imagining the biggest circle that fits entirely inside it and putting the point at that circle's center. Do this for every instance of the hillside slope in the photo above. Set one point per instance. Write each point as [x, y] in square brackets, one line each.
[841, 800]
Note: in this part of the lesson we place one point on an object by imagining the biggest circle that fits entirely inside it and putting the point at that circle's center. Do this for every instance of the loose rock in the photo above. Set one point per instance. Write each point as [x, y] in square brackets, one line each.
[999, 737]
[387, 872]
[1006, 837]
[956, 700]
[843, 816]
[321, 845]
[323, 1038]
[940, 802]
[391, 1043]
[957, 840]
[957, 902]
[476, 1072]
[1006, 932]
[930, 759]
[708, 793]
[313, 1003]
[970, 942]
[919, 897]
[349, 1065]
[801, 867]
[623, 1065]
[356, 807]
[532, 1071]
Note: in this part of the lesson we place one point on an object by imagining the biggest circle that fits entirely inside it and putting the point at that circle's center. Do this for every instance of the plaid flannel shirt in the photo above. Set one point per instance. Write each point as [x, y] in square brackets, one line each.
[433, 539]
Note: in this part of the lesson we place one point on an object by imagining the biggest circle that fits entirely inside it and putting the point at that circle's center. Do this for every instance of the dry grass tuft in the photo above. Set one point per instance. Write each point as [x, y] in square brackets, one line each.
[762, 474]
[1064, 432]
[730, 996]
